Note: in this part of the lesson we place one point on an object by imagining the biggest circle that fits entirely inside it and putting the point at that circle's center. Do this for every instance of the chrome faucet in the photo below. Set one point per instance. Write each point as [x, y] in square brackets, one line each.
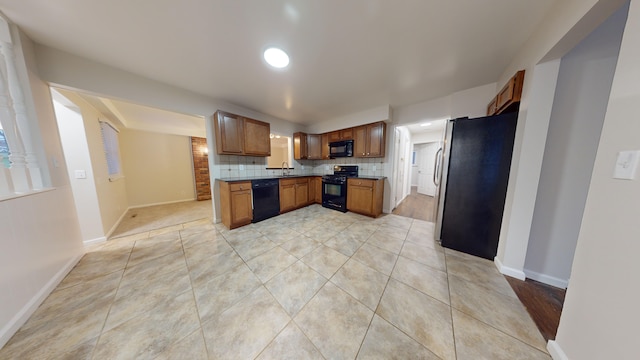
[283, 168]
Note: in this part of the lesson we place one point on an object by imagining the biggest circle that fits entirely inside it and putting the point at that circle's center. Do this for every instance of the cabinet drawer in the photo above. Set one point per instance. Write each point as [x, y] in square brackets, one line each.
[240, 186]
[361, 182]
[285, 182]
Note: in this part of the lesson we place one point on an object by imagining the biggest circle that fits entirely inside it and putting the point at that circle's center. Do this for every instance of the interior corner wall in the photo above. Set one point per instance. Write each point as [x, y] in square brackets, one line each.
[600, 314]
[112, 195]
[41, 239]
[157, 167]
[565, 25]
[580, 103]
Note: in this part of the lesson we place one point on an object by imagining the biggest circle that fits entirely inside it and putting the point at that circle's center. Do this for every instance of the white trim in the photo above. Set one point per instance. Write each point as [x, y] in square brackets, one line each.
[546, 279]
[556, 351]
[94, 241]
[32, 305]
[161, 203]
[32, 192]
[115, 226]
[505, 270]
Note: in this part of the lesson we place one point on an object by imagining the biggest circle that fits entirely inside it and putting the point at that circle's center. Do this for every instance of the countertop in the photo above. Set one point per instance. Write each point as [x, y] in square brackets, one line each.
[249, 178]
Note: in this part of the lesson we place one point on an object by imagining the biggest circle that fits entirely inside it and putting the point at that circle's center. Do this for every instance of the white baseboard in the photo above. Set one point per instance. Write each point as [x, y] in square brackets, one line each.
[509, 271]
[546, 279]
[32, 305]
[556, 351]
[94, 241]
[161, 203]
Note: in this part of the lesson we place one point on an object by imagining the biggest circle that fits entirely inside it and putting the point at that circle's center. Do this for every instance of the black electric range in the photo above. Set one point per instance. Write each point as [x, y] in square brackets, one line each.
[334, 187]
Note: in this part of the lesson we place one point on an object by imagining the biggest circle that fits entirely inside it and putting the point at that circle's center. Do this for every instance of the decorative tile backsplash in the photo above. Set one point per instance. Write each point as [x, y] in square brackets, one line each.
[231, 166]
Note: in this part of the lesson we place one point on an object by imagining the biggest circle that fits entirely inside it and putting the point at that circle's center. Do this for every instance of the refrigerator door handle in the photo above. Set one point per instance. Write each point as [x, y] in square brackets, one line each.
[436, 167]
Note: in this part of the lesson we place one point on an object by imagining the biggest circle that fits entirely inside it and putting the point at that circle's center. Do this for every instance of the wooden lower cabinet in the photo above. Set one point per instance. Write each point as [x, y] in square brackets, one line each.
[364, 196]
[317, 183]
[294, 193]
[236, 203]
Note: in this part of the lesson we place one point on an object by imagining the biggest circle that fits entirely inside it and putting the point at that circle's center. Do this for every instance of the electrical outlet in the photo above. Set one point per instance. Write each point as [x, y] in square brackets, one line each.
[373, 168]
[241, 167]
[326, 167]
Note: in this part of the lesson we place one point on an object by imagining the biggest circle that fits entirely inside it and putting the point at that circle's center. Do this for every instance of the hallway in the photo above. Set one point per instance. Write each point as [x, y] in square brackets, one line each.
[417, 206]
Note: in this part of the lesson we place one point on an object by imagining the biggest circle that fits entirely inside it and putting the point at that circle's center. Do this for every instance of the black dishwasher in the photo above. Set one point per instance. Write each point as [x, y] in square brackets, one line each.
[266, 199]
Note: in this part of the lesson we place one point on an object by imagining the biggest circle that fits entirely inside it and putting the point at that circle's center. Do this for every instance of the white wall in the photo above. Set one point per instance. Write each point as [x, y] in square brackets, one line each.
[470, 102]
[567, 23]
[600, 315]
[112, 195]
[580, 103]
[41, 239]
[76, 156]
[158, 168]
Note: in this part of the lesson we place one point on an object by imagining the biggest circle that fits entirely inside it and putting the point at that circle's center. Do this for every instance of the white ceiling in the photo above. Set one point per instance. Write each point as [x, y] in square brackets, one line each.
[346, 56]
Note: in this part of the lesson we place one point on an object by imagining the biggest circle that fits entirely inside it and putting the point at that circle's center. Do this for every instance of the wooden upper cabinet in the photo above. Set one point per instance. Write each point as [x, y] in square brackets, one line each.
[325, 147]
[300, 146]
[257, 141]
[510, 94]
[237, 135]
[370, 140]
[229, 133]
[344, 134]
[314, 146]
[491, 108]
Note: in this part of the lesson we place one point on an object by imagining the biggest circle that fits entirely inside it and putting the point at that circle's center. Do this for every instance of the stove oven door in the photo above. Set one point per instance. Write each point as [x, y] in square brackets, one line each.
[334, 195]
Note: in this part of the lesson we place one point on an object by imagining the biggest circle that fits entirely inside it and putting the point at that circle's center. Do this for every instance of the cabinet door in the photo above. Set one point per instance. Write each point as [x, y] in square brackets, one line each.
[314, 146]
[360, 199]
[346, 134]
[299, 146]
[256, 138]
[241, 210]
[287, 197]
[334, 136]
[375, 140]
[312, 190]
[318, 185]
[229, 133]
[360, 141]
[325, 146]
[302, 193]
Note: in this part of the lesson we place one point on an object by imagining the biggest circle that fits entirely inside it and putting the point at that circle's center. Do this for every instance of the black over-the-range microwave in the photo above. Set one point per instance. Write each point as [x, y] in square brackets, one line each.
[342, 148]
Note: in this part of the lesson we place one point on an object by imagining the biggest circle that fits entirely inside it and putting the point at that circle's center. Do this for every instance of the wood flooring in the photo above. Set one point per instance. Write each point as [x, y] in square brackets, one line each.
[543, 302]
[417, 206]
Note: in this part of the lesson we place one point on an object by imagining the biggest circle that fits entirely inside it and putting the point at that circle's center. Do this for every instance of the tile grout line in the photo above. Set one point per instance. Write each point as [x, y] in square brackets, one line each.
[113, 300]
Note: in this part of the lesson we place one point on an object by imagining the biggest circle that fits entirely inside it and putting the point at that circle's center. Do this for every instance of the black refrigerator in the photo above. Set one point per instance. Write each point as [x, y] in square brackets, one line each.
[473, 185]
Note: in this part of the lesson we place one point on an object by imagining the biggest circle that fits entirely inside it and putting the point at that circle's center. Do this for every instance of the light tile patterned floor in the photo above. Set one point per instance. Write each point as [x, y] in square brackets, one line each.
[309, 284]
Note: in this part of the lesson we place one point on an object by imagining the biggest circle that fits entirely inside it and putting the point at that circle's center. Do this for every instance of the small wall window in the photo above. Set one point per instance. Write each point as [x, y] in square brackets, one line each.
[111, 149]
[4, 150]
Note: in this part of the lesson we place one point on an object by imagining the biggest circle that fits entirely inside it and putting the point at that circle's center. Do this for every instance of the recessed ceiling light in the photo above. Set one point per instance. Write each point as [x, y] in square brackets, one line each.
[426, 124]
[276, 58]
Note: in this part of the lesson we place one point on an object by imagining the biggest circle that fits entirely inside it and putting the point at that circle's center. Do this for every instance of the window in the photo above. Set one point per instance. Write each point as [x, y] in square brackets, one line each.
[21, 171]
[111, 149]
[413, 158]
[4, 150]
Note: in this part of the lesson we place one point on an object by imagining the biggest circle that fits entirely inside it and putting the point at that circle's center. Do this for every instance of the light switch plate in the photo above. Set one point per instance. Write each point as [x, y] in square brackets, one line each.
[81, 174]
[626, 165]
